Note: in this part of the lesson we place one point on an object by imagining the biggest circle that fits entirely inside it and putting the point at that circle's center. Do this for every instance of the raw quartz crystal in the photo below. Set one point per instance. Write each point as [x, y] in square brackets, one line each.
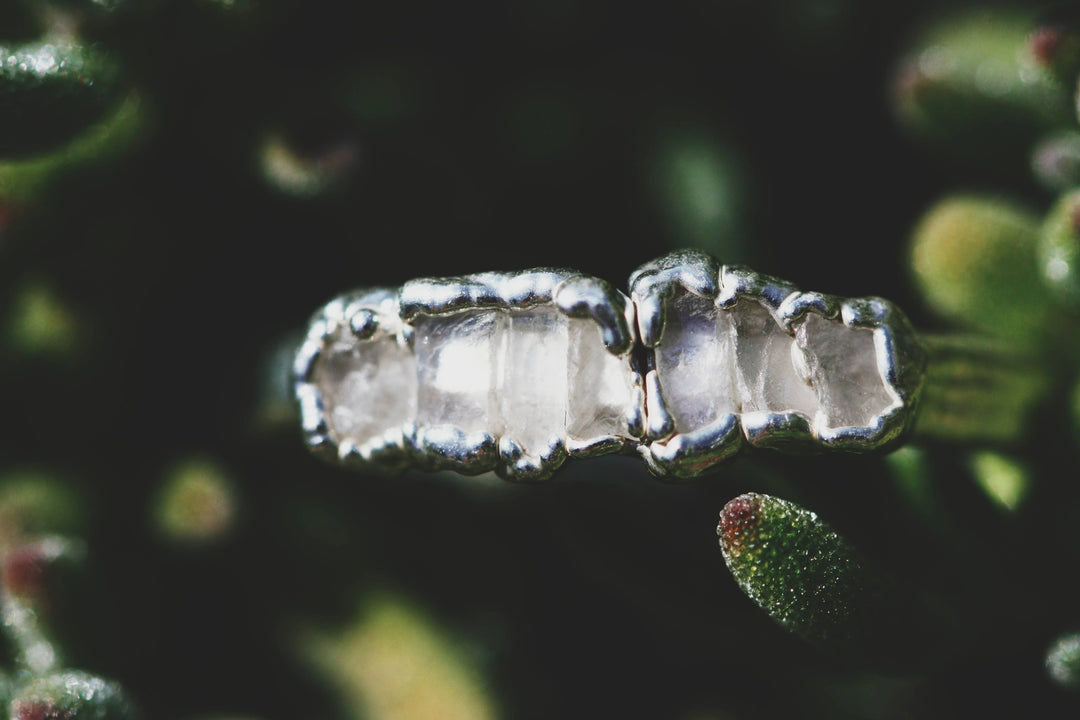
[695, 362]
[769, 379]
[368, 387]
[456, 360]
[533, 375]
[842, 362]
[712, 362]
[599, 386]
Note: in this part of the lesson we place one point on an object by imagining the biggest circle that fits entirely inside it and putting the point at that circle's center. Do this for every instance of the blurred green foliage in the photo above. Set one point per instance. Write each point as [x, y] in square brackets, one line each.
[1003, 479]
[967, 250]
[196, 503]
[51, 91]
[972, 82]
[1059, 249]
[393, 663]
[1063, 660]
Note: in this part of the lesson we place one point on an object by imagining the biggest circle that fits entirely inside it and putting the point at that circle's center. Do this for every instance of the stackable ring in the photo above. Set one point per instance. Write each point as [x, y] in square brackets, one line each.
[516, 372]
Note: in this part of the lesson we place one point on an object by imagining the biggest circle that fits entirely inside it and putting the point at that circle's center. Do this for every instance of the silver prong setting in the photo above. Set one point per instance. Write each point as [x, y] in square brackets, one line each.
[652, 284]
[516, 372]
[585, 297]
[766, 419]
[795, 306]
[660, 423]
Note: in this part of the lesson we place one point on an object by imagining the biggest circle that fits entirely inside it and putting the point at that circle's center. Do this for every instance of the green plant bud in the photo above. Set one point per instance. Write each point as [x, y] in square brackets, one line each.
[42, 324]
[25, 180]
[699, 188]
[1059, 249]
[395, 663]
[1053, 48]
[51, 92]
[305, 174]
[1004, 480]
[1055, 161]
[1063, 661]
[196, 504]
[37, 502]
[975, 263]
[70, 695]
[794, 567]
[967, 86]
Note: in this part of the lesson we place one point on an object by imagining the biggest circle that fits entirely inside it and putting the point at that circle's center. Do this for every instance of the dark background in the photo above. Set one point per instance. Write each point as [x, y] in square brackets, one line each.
[496, 136]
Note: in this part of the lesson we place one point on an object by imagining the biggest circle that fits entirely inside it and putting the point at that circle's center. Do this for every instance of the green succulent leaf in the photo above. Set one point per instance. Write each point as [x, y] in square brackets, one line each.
[793, 566]
[1059, 249]
[966, 251]
[971, 82]
[1063, 661]
[72, 695]
[50, 92]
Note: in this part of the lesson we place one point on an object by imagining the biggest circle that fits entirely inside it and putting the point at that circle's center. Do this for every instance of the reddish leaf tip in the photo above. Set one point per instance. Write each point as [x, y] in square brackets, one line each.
[739, 516]
[1045, 43]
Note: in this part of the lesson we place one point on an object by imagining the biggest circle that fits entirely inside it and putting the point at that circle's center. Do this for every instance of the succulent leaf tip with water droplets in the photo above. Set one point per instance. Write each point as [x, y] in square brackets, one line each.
[793, 566]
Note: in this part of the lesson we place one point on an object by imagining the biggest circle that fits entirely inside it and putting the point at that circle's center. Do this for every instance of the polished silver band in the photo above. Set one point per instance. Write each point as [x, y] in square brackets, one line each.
[516, 372]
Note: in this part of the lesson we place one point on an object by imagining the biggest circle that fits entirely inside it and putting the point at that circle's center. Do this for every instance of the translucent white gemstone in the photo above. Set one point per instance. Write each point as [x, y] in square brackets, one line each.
[532, 375]
[695, 362]
[600, 386]
[533, 388]
[457, 361]
[767, 378]
[843, 364]
[368, 386]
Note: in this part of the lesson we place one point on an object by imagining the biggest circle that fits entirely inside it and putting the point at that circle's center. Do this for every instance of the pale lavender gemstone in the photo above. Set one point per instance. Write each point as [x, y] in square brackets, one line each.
[695, 362]
[843, 365]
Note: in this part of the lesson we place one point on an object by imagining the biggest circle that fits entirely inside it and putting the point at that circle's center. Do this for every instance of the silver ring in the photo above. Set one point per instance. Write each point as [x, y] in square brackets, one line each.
[516, 372]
